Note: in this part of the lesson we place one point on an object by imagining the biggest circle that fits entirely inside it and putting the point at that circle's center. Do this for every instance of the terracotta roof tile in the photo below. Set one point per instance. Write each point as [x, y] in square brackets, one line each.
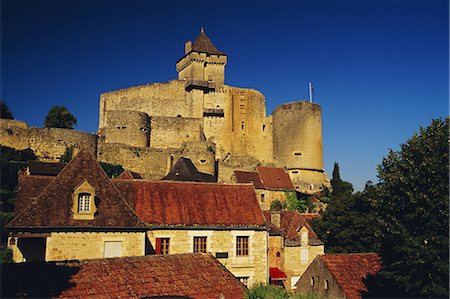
[129, 175]
[349, 270]
[53, 207]
[178, 275]
[275, 178]
[28, 189]
[186, 204]
[249, 177]
[290, 224]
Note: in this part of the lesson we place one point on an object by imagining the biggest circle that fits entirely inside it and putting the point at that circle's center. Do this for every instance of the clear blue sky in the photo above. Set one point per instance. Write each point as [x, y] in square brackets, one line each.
[379, 68]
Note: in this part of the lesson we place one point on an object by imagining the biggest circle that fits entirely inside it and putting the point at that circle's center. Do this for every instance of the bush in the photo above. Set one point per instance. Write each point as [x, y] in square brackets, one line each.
[262, 291]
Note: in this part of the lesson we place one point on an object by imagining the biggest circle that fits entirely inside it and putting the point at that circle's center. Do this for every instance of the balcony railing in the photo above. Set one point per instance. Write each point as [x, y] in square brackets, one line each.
[199, 84]
[213, 112]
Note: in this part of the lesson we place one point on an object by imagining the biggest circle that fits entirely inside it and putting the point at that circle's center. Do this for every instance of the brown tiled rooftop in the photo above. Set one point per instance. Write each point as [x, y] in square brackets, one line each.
[290, 224]
[44, 168]
[129, 175]
[248, 177]
[191, 204]
[28, 190]
[204, 45]
[275, 178]
[178, 275]
[185, 170]
[51, 206]
[349, 270]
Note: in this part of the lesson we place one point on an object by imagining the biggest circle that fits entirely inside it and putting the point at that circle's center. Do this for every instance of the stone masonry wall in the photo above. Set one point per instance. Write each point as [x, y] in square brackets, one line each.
[159, 99]
[127, 127]
[255, 266]
[293, 266]
[171, 132]
[49, 144]
[86, 245]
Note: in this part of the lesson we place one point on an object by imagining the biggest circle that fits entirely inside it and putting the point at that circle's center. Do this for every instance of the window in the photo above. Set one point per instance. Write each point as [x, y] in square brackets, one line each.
[242, 125]
[263, 197]
[304, 255]
[112, 248]
[311, 281]
[84, 203]
[304, 237]
[200, 244]
[162, 246]
[242, 246]
[325, 284]
[244, 280]
[84, 207]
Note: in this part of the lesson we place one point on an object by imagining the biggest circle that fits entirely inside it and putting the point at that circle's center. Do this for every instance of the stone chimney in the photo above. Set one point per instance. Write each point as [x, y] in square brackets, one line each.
[187, 47]
[275, 218]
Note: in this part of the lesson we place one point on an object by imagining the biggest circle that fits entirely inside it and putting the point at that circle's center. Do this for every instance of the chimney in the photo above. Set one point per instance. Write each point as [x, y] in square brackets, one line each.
[275, 218]
[187, 47]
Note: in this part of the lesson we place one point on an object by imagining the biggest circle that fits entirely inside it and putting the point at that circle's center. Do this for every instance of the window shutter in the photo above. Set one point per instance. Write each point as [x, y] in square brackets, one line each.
[158, 246]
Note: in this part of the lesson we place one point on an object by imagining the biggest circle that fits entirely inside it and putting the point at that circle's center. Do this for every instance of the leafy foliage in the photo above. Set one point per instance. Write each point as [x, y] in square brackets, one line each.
[277, 205]
[340, 187]
[262, 291]
[294, 202]
[67, 156]
[4, 111]
[349, 224]
[6, 255]
[112, 170]
[60, 117]
[413, 210]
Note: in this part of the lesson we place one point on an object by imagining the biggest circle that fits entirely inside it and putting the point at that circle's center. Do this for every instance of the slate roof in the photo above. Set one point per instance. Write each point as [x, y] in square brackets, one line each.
[290, 224]
[171, 276]
[44, 168]
[181, 204]
[269, 178]
[185, 170]
[349, 270]
[52, 207]
[28, 189]
[204, 45]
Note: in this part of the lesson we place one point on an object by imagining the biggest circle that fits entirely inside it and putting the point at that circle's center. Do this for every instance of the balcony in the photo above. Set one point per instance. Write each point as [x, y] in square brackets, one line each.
[213, 112]
[199, 84]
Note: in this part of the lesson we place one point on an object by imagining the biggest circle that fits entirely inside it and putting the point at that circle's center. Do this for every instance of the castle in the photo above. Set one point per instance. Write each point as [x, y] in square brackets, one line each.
[221, 128]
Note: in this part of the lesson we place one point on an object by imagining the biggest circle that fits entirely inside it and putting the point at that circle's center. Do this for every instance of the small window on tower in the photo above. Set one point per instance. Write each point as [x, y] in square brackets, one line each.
[242, 125]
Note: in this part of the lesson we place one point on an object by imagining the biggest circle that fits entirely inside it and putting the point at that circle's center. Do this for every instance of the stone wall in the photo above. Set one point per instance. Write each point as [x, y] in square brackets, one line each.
[159, 99]
[313, 281]
[255, 266]
[85, 245]
[266, 197]
[127, 127]
[48, 144]
[230, 163]
[171, 132]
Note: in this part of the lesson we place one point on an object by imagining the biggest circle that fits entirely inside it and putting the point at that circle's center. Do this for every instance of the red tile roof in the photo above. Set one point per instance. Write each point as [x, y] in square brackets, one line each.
[178, 275]
[275, 178]
[52, 208]
[28, 190]
[349, 270]
[189, 204]
[249, 177]
[290, 224]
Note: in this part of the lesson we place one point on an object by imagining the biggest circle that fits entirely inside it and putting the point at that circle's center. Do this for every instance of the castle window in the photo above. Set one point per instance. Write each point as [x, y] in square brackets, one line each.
[297, 154]
[242, 125]
[242, 107]
[264, 127]
[84, 207]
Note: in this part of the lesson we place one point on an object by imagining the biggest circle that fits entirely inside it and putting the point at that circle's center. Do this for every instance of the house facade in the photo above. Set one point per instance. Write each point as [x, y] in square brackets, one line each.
[338, 276]
[293, 245]
[223, 220]
[76, 213]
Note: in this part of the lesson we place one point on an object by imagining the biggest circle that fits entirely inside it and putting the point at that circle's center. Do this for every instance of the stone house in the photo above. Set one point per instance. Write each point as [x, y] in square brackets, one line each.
[185, 217]
[74, 213]
[270, 184]
[198, 276]
[293, 245]
[339, 275]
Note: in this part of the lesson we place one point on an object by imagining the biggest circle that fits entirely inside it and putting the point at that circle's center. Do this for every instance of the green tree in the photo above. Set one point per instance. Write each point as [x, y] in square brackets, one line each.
[262, 291]
[112, 170]
[295, 202]
[4, 111]
[413, 210]
[60, 117]
[339, 186]
[349, 223]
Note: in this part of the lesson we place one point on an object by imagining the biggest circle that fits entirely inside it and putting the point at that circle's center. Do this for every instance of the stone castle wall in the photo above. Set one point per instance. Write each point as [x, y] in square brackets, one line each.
[171, 132]
[48, 144]
[159, 99]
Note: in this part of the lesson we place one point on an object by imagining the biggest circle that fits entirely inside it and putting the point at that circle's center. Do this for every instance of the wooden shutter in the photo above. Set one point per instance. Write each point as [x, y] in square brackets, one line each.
[158, 246]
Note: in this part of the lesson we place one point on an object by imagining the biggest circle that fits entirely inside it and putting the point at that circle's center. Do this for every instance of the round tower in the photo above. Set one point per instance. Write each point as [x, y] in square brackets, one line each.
[297, 144]
[127, 127]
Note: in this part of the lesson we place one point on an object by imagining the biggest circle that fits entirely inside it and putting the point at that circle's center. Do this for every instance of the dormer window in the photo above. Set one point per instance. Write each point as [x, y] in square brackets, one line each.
[84, 207]
[84, 203]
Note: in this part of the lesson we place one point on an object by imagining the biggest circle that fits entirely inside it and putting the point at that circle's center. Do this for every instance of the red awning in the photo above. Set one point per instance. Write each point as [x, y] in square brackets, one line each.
[277, 274]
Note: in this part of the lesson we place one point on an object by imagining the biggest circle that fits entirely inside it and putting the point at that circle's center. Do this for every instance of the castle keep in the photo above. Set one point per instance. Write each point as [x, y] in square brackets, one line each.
[219, 127]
